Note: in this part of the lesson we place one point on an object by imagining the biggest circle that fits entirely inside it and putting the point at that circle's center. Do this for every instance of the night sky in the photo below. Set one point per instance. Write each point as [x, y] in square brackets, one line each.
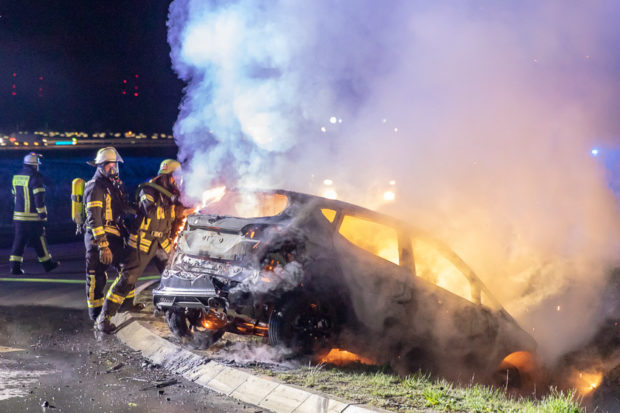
[63, 64]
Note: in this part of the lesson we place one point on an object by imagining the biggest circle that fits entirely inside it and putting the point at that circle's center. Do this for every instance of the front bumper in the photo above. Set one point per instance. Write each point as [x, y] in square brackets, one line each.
[174, 291]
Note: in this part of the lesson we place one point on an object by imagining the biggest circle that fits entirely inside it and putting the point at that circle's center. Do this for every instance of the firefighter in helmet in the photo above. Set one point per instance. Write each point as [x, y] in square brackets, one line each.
[170, 166]
[30, 215]
[105, 204]
[154, 228]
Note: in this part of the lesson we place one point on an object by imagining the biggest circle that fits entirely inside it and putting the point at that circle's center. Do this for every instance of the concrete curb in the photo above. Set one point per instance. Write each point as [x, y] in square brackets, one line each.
[261, 391]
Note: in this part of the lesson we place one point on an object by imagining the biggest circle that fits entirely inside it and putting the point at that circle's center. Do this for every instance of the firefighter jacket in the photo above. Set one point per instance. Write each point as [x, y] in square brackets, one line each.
[156, 215]
[105, 204]
[29, 194]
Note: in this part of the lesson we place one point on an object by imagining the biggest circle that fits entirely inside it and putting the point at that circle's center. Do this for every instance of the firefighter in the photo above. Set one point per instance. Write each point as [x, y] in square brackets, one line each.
[158, 201]
[30, 215]
[105, 204]
[170, 166]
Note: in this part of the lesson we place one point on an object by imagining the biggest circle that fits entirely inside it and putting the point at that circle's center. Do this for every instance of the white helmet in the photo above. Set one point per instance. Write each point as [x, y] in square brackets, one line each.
[33, 159]
[104, 155]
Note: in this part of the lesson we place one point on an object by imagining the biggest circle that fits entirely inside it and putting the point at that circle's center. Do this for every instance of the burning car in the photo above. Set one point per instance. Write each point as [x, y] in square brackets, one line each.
[312, 273]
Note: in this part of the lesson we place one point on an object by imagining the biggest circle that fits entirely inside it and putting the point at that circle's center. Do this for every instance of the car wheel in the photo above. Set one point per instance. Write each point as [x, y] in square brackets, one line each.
[518, 370]
[185, 325]
[177, 322]
[203, 339]
[508, 378]
[301, 325]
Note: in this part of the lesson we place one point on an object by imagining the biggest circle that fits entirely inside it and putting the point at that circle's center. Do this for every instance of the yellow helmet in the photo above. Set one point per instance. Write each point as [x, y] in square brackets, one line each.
[168, 166]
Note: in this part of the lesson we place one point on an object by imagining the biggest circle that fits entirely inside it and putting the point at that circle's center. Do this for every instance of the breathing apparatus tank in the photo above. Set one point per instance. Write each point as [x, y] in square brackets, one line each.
[78, 214]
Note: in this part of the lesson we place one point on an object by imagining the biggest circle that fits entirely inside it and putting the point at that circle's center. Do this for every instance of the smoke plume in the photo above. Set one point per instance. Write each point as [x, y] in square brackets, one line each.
[478, 116]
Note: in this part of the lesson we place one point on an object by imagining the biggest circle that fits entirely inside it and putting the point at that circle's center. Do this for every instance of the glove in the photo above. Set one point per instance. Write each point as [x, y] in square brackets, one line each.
[105, 255]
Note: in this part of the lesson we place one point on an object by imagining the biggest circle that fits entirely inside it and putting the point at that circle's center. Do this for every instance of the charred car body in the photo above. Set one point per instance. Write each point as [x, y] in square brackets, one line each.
[313, 273]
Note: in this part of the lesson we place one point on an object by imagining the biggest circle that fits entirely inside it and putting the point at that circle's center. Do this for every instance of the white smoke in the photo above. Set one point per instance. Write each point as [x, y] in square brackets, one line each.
[483, 114]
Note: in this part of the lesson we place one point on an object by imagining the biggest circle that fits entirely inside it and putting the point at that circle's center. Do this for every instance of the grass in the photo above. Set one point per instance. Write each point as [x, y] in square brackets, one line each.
[419, 392]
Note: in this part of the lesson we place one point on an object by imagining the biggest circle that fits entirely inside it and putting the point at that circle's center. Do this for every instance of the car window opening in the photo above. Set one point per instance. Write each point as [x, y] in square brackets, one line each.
[330, 214]
[247, 205]
[431, 265]
[378, 239]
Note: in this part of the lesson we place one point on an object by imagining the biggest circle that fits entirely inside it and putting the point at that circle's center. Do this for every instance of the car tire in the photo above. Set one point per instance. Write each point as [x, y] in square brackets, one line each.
[508, 377]
[177, 322]
[206, 338]
[182, 324]
[302, 326]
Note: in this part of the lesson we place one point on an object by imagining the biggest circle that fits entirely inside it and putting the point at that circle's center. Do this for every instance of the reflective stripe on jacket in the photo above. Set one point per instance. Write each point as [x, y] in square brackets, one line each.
[104, 204]
[156, 215]
[29, 196]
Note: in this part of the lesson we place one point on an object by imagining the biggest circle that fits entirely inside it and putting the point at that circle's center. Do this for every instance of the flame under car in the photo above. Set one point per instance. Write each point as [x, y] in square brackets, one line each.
[313, 274]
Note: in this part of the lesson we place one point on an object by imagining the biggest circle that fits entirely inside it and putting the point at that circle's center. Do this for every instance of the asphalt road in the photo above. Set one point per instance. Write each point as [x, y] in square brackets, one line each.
[51, 360]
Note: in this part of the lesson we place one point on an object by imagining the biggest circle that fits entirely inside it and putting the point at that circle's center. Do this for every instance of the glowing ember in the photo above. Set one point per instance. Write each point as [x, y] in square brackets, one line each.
[342, 357]
[213, 320]
[213, 195]
[251, 329]
[586, 381]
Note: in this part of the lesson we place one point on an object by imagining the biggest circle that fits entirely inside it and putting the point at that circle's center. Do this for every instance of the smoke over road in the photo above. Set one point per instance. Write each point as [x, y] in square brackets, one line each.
[482, 113]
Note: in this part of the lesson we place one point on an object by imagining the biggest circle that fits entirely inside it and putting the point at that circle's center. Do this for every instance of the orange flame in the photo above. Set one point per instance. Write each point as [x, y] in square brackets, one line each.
[251, 329]
[586, 381]
[340, 357]
[179, 230]
[213, 320]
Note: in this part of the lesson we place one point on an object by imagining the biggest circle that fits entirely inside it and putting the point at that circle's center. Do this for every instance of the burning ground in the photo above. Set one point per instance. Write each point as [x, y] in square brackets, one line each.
[367, 383]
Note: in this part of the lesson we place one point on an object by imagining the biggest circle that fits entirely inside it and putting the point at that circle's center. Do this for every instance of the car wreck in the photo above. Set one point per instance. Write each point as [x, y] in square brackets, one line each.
[311, 274]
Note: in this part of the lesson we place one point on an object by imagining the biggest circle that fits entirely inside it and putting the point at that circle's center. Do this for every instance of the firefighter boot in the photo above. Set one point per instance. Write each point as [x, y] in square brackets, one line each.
[50, 265]
[104, 322]
[16, 268]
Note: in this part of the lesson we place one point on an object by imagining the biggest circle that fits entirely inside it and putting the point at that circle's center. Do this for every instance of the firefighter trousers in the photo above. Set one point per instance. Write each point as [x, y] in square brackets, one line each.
[32, 234]
[97, 272]
[124, 286]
